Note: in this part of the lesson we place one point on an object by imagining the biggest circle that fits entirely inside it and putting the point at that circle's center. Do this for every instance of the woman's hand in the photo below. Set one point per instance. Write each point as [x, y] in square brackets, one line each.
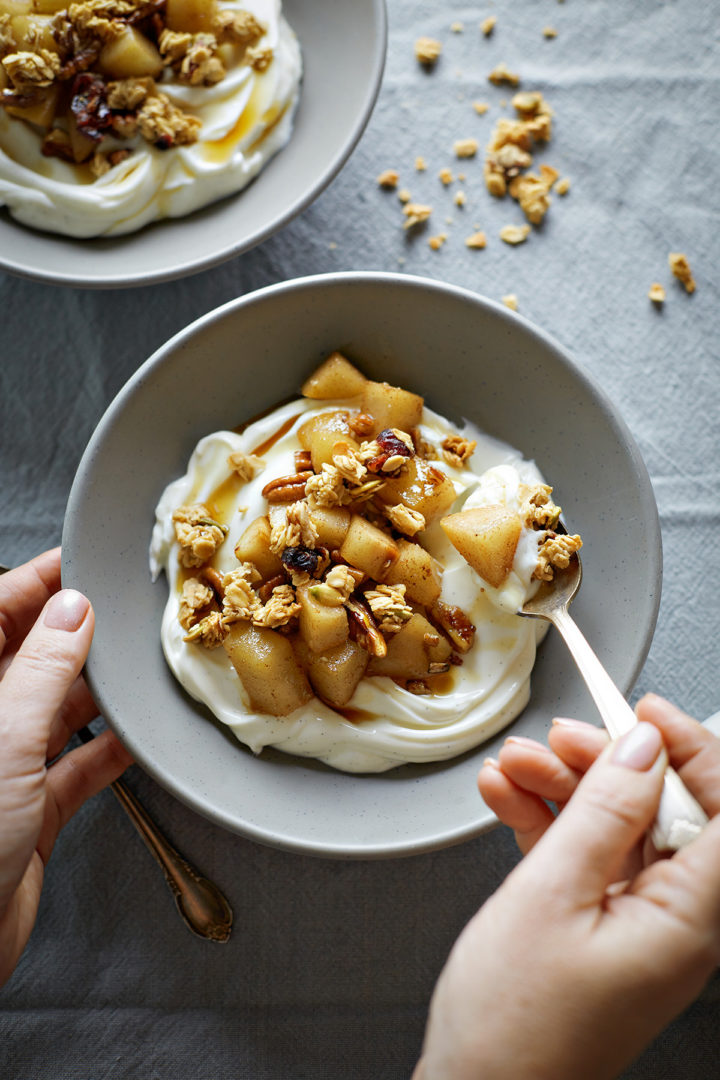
[565, 971]
[45, 636]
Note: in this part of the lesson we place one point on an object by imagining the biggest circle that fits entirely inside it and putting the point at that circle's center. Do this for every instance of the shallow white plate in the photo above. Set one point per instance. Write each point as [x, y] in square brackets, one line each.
[343, 44]
[470, 358]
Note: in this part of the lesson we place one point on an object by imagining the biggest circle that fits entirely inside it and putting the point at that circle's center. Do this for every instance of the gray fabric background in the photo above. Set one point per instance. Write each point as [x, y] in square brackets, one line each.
[331, 964]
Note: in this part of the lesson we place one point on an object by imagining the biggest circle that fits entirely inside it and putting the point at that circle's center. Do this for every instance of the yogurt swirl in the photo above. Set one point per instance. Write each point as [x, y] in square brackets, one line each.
[383, 725]
[246, 118]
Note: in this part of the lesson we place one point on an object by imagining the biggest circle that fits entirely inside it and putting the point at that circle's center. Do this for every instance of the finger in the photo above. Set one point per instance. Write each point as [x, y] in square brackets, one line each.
[577, 743]
[526, 814]
[693, 750]
[685, 889]
[75, 778]
[39, 678]
[536, 768]
[24, 592]
[612, 808]
[76, 711]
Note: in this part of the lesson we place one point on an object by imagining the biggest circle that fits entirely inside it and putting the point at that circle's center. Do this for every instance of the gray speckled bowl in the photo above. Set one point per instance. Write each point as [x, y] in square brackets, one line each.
[469, 357]
[343, 44]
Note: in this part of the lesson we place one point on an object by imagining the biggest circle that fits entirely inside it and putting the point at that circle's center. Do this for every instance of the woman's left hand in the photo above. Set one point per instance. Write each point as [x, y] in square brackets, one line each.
[45, 635]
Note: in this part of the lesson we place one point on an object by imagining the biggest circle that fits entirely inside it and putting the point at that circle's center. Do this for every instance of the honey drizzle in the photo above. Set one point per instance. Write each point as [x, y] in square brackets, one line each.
[269, 443]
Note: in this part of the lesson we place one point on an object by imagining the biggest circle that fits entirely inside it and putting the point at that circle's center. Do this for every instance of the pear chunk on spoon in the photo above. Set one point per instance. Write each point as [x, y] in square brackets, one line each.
[680, 818]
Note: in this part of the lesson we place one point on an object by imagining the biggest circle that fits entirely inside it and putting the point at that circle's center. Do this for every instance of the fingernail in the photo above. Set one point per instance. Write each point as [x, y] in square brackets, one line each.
[565, 721]
[491, 763]
[66, 610]
[638, 748]
[531, 744]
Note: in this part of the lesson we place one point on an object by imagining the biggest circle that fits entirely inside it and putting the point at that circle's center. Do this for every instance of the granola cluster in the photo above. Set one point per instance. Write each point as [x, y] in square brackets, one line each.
[91, 76]
[508, 155]
[555, 549]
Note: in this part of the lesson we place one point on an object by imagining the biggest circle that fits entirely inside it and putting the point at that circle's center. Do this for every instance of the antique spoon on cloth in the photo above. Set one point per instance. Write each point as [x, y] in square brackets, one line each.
[201, 904]
[680, 818]
[203, 907]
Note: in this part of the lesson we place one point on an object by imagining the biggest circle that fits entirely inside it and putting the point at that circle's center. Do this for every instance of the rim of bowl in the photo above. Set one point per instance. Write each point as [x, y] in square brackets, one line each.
[285, 842]
[190, 266]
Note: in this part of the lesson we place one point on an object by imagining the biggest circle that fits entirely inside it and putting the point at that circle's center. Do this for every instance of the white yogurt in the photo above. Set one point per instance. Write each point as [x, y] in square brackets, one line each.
[488, 691]
[246, 118]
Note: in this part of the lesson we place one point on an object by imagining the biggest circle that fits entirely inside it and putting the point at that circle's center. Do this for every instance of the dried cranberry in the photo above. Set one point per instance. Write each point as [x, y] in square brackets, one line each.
[390, 443]
[301, 559]
[390, 446]
[89, 106]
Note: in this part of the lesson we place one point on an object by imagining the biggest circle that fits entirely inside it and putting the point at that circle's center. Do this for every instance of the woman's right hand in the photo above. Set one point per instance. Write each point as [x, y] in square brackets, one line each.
[585, 952]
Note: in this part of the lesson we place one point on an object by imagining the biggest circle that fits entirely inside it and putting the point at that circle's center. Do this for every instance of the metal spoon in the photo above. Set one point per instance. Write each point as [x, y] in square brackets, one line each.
[680, 818]
[202, 906]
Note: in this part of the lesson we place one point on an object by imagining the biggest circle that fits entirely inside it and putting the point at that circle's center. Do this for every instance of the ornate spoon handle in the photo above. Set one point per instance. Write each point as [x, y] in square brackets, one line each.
[201, 904]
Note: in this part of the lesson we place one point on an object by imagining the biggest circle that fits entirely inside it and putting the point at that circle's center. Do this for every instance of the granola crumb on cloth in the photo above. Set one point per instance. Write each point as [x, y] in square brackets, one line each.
[416, 214]
[656, 293]
[388, 179]
[680, 267]
[501, 75]
[465, 148]
[478, 240]
[427, 51]
[510, 301]
[514, 234]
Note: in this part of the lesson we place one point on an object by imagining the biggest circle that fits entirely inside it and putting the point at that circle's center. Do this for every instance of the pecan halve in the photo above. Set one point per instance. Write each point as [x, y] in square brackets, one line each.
[455, 623]
[287, 488]
[363, 628]
[303, 461]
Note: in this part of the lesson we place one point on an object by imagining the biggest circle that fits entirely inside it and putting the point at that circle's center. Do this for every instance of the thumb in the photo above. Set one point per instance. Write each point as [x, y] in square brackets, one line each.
[609, 812]
[37, 681]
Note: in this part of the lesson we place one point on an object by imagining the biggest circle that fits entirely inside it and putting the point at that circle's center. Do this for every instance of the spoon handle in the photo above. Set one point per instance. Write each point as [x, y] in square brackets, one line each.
[680, 818]
[202, 906]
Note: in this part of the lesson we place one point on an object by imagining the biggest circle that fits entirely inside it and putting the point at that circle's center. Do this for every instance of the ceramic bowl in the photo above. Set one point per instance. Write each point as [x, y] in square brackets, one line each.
[343, 44]
[469, 357]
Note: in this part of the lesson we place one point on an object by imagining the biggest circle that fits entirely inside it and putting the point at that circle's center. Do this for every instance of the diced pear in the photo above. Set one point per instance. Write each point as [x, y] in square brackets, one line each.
[33, 31]
[43, 107]
[130, 55]
[422, 487]
[254, 546]
[411, 651]
[416, 569]
[486, 537]
[331, 523]
[325, 444]
[322, 627]
[336, 420]
[335, 675]
[49, 7]
[268, 668]
[15, 7]
[368, 548]
[335, 378]
[391, 407]
[83, 147]
[192, 16]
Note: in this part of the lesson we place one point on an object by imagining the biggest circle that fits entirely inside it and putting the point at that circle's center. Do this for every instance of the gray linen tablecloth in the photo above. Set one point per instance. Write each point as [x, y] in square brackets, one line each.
[331, 965]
